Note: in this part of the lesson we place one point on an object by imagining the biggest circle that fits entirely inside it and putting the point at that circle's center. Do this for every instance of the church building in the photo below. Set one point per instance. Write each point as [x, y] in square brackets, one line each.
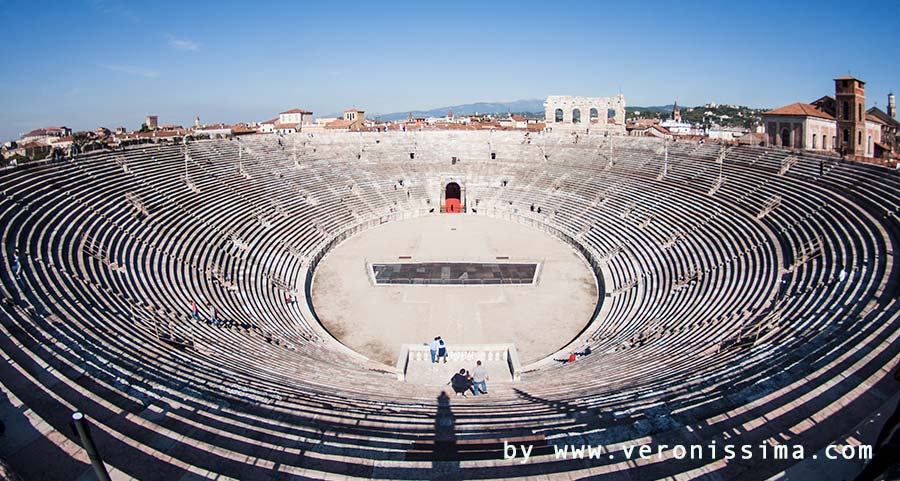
[835, 124]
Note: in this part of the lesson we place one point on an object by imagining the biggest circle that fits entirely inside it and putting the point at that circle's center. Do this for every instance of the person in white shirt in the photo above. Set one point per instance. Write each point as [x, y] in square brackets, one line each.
[479, 379]
[434, 349]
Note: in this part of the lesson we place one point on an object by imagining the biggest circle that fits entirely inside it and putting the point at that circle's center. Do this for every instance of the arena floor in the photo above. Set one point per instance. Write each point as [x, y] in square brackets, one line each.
[375, 320]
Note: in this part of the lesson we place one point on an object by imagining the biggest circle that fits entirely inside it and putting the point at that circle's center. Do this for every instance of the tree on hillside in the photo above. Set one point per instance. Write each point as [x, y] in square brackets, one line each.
[79, 139]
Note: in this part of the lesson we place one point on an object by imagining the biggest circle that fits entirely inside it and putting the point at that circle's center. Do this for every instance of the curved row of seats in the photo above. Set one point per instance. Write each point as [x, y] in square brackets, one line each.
[725, 318]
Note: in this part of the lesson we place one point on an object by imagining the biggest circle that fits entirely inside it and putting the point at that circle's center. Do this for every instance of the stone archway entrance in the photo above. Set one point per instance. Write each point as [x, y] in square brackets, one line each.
[452, 198]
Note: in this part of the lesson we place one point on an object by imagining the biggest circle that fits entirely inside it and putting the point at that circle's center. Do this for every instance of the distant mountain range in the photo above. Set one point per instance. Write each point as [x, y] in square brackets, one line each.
[531, 105]
[535, 106]
[728, 115]
[652, 108]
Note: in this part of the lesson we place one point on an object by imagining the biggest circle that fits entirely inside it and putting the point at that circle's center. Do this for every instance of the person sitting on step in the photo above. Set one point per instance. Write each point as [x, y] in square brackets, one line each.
[567, 360]
[460, 383]
[479, 379]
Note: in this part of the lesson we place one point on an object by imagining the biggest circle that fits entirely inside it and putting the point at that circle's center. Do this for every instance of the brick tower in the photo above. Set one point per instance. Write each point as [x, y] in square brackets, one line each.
[850, 94]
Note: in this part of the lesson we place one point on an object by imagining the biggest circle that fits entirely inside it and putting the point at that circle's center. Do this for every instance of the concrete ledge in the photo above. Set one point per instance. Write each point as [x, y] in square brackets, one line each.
[414, 362]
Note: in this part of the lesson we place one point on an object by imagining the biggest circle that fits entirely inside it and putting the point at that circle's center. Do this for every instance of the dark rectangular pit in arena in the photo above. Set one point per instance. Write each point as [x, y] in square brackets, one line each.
[454, 273]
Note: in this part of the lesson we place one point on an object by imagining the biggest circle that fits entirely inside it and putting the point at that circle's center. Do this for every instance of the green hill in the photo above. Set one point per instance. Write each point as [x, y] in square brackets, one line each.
[709, 114]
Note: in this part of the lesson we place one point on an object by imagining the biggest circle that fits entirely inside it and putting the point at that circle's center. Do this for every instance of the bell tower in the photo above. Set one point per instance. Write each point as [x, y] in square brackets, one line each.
[850, 96]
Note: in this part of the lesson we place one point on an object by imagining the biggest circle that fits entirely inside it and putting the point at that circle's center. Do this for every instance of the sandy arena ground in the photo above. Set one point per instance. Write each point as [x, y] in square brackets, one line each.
[375, 320]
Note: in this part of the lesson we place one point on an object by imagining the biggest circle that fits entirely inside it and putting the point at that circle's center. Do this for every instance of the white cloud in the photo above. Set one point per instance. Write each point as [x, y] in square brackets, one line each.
[183, 44]
[132, 70]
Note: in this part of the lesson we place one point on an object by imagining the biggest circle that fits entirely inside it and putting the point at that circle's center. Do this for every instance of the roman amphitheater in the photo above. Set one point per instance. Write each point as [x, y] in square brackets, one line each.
[726, 296]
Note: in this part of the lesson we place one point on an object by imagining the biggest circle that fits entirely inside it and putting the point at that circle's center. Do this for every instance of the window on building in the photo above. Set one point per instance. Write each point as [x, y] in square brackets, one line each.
[846, 112]
[814, 141]
[859, 139]
[859, 112]
[834, 141]
[846, 136]
[869, 145]
[593, 114]
[558, 115]
[576, 116]
[824, 142]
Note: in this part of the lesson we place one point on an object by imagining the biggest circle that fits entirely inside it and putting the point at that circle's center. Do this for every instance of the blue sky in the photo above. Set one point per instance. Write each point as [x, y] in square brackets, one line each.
[87, 63]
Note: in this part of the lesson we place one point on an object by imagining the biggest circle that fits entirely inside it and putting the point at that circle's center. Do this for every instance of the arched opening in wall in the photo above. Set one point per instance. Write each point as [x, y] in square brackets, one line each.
[558, 115]
[576, 116]
[593, 115]
[785, 138]
[452, 200]
[610, 116]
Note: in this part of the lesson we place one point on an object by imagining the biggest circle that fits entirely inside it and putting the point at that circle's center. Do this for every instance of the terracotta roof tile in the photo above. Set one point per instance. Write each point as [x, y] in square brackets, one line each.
[799, 108]
[875, 119]
[338, 124]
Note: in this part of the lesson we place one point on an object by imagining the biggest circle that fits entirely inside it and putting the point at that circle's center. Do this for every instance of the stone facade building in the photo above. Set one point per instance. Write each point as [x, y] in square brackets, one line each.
[590, 113]
[800, 126]
[353, 120]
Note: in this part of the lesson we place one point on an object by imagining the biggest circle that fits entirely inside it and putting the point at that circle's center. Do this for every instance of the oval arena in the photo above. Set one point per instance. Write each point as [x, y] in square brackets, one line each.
[727, 295]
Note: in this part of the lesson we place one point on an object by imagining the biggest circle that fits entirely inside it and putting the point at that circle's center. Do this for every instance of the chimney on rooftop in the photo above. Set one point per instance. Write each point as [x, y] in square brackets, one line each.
[892, 107]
